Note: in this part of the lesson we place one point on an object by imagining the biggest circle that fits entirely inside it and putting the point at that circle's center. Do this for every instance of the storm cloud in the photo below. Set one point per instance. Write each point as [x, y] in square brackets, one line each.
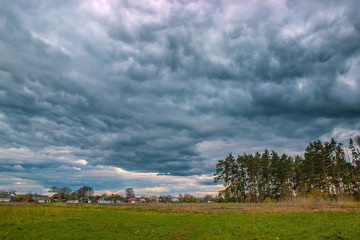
[167, 88]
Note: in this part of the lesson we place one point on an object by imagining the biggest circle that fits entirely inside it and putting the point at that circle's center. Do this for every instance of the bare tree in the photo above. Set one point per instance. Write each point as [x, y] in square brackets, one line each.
[129, 192]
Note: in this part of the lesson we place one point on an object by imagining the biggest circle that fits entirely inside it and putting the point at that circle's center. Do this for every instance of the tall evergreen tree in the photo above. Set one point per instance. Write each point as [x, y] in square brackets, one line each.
[274, 170]
[324, 168]
[265, 180]
[241, 179]
[315, 166]
[226, 172]
[299, 183]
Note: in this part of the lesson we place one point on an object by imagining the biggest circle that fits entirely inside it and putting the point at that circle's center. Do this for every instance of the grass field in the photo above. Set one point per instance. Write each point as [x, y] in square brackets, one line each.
[169, 221]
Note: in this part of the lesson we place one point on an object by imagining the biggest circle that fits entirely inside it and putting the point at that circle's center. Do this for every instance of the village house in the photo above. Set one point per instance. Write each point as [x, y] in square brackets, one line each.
[6, 196]
[55, 198]
[102, 200]
[85, 200]
[153, 199]
[133, 200]
[41, 198]
[175, 199]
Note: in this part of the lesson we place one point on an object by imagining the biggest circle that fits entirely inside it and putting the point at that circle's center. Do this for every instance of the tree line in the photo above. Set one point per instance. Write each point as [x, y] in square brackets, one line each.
[67, 194]
[325, 170]
[85, 193]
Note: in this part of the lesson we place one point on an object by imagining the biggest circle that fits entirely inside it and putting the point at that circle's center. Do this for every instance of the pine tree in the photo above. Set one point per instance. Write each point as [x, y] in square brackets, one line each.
[299, 183]
[324, 169]
[265, 180]
[274, 170]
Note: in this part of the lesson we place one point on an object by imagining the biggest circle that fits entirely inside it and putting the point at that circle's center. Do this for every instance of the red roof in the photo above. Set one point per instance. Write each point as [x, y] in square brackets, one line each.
[132, 199]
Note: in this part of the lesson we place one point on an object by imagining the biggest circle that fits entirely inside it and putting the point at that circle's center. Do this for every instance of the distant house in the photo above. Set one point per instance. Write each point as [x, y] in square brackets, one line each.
[133, 200]
[85, 200]
[6, 196]
[175, 199]
[72, 201]
[102, 200]
[153, 199]
[55, 198]
[41, 198]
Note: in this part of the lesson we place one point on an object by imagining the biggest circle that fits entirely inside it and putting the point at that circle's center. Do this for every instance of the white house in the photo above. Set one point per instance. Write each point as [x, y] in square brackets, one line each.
[6, 196]
[102, 200]
[42, 198]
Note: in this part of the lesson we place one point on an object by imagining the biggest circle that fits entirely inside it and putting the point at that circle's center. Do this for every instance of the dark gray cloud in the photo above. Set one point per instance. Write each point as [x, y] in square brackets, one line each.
[173, 86]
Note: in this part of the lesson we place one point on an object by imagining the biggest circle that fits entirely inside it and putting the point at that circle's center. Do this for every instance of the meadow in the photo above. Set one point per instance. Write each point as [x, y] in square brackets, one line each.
[178, 221]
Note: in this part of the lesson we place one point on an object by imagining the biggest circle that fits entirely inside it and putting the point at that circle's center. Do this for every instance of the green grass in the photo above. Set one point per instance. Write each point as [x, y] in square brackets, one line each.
[51, 221]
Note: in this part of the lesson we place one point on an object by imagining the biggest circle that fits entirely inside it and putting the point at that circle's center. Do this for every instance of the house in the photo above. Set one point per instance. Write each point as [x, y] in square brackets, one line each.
[41, 198]
[102, 200]
[72, 201]
[133, 200]
[6, 196]
[55, 198]
[85, 200]
[153, 199]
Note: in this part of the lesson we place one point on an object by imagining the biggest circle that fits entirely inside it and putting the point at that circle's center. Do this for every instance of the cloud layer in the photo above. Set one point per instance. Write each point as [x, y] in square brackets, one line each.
[169, 87]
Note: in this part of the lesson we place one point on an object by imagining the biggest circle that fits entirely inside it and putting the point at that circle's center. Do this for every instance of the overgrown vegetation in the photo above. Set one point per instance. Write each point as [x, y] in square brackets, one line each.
[86, 221]
[325, 171]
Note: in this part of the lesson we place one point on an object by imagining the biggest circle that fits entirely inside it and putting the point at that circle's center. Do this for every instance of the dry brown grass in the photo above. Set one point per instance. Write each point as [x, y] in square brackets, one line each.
[293, 205]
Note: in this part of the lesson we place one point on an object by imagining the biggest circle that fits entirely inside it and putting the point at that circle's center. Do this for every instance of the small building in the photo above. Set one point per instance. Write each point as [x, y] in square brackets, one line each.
[73, 201]
[41, 198]
[153, 199]
[85, 200]
[175, 199]
[55, 198]
[6, 196]
[102, 200]
[133, 200]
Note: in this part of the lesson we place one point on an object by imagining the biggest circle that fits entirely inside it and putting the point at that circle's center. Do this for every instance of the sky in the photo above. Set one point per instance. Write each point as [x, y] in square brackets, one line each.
[151, 94]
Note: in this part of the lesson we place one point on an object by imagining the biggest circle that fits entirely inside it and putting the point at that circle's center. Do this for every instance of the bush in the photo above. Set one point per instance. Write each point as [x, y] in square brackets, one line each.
[315, 194]
[269, 200]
